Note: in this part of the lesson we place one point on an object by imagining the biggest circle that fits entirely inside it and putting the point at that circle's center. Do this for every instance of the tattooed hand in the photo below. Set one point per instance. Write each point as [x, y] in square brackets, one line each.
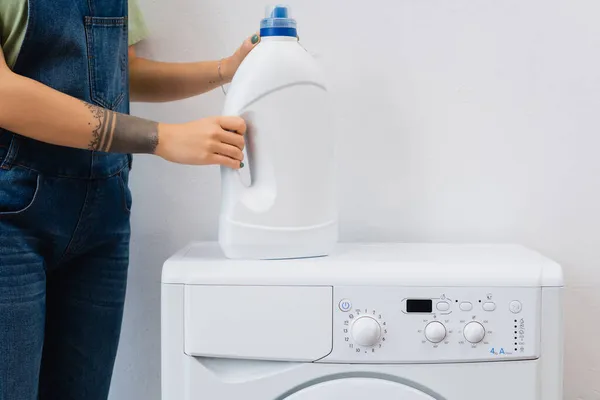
[216, 140]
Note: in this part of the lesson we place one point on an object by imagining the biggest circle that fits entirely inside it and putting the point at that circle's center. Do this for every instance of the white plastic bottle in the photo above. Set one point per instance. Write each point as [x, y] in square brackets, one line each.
[282, 203]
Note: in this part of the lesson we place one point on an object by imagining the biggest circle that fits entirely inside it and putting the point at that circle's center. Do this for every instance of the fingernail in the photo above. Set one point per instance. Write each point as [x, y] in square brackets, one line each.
[241, 165]
[254, 39]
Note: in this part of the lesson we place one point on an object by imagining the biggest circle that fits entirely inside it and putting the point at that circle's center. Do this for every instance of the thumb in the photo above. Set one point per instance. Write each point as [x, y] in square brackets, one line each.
[249, 44]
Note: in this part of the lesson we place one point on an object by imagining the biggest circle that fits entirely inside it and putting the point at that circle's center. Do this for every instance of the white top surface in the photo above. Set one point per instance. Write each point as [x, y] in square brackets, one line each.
[381, 264]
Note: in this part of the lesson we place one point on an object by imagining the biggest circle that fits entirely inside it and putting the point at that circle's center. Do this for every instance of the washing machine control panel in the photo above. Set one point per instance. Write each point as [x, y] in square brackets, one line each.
[417, 324]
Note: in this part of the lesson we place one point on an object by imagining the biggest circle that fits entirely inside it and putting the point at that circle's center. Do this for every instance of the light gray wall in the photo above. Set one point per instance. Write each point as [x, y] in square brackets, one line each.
[471, 121]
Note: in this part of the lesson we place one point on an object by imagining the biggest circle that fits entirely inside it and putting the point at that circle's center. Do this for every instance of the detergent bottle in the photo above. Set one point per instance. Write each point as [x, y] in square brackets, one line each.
[281, 204]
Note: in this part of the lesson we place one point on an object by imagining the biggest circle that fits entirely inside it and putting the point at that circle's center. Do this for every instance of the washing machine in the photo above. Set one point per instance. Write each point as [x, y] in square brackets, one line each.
[371, 321]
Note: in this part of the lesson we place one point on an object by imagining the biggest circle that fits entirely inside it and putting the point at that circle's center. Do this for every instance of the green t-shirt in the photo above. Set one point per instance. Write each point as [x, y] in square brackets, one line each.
[13, 24]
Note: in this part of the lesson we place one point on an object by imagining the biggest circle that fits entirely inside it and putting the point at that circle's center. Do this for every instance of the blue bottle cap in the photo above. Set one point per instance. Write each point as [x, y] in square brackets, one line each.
[277, 22]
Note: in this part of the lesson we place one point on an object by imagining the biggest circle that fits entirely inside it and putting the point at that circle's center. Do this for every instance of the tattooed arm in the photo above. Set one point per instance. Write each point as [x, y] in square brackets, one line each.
[37, 111]
[152, 81]
[114, 132]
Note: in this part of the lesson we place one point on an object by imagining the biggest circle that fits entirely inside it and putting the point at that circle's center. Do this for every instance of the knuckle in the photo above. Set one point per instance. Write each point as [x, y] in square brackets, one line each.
[210, 147]
[238, 142]
[204, 155]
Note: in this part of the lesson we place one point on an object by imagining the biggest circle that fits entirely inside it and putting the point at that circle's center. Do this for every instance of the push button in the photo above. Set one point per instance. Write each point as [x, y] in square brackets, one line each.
[489, 306]
[345, 305]
[466, 306]
[515, 307]
[443, 306]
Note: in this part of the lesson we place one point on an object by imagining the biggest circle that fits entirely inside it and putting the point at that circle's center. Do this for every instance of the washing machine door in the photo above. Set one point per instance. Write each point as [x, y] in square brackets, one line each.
[359, 389]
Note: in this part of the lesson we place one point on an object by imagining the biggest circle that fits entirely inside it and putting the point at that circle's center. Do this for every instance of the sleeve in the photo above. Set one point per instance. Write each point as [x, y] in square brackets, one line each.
[137, 26]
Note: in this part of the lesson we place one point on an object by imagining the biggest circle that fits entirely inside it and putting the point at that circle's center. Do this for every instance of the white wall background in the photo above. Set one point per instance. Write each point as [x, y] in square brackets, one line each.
[458, 120]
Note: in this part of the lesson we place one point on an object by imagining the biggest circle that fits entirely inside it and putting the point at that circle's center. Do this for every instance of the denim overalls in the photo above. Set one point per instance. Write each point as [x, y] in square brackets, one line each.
[64, 215]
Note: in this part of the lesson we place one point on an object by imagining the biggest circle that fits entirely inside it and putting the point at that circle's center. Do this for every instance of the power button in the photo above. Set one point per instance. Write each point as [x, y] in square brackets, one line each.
[345, 305]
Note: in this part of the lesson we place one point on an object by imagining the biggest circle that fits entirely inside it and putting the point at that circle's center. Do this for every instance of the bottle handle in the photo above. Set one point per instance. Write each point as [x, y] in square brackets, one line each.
[247, 173]
[253, 185]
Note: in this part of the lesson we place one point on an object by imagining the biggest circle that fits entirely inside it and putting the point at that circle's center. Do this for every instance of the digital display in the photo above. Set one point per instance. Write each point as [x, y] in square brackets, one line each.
[419, 306]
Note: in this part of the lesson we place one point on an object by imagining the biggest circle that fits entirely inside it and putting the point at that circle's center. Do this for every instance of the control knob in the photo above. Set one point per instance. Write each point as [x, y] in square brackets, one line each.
[366, 331]
[435, 332]
[474, 332]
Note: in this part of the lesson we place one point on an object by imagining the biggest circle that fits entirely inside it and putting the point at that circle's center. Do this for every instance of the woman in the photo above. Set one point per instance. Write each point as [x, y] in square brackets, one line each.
[67, 74]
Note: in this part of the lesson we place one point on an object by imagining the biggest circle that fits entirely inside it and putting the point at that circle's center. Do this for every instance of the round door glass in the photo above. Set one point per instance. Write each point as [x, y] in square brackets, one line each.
[359, 389]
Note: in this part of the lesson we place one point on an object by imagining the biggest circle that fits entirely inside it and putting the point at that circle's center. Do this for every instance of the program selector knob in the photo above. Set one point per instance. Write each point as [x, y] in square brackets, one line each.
[366, 331]
[474, 332]
[435, 332]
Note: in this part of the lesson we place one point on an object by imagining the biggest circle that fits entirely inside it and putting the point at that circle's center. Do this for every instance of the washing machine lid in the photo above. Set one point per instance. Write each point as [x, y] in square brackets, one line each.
[359, 389]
